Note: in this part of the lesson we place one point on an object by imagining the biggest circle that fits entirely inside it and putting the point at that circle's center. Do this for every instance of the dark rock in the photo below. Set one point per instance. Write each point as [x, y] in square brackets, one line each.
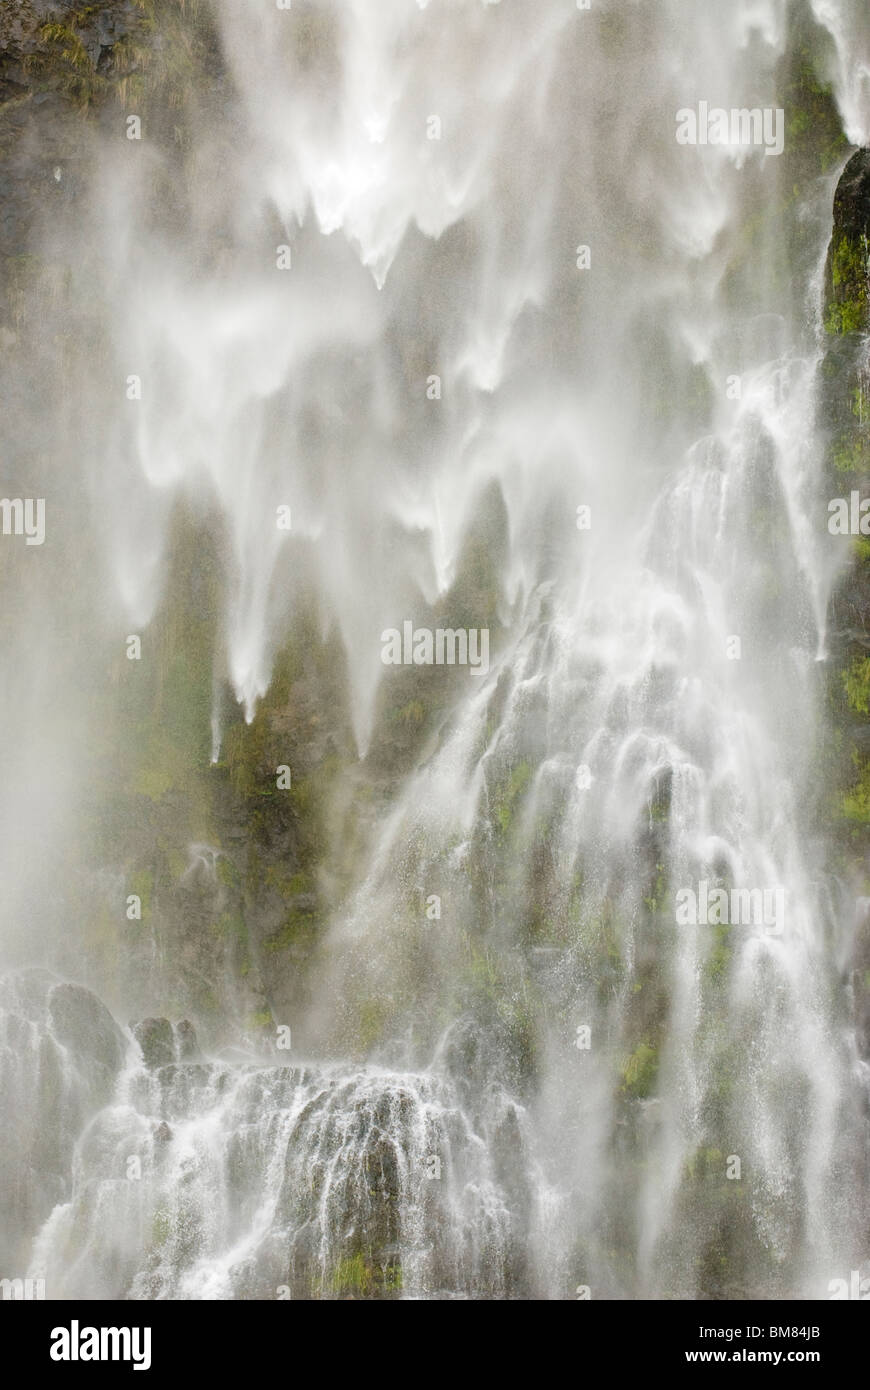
[60, 1055]
[852, 198]
[163, 1045]
[847, 308]
[845, 391]
[83, 1024]
[41, 92]
[156, 1039]
[186, 1044]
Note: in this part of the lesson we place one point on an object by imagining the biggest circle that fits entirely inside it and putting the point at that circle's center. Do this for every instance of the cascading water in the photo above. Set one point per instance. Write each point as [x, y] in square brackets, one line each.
[439, 279]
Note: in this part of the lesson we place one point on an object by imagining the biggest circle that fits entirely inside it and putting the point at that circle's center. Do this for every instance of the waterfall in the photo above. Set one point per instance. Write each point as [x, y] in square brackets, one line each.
[529, 976]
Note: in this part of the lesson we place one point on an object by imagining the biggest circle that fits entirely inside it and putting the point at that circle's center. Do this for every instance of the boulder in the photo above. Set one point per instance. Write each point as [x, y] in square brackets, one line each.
[163, 1044]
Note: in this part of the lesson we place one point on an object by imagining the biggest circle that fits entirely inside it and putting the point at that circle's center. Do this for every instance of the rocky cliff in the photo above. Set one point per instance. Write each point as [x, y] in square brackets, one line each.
[845, 406]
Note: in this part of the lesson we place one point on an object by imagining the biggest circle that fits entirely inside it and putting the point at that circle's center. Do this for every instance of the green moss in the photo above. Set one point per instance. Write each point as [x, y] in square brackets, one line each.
[358, 1277]
[846, 317]
[65, 61]
[705, 1163]
[814, 132]
[162, 723]
[352, 1275]
[244, 755]
[510, 795]
[161, 1228]
[227, 872]
[413, 712]
[544, 929]
[850, 453]
[657, 892]
[161, 63]
[849, 264]
[848, 310]
[639, 1072]
[299, 928]
[371, 1021]
[292, 887]
[152, 782]
[855, 803]
[230, 926]
[856, 682]
[858, 404]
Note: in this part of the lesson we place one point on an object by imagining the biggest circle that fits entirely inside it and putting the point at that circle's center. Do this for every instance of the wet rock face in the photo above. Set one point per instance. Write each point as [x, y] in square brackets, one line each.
[163, 1044]
[848, 305]
[98, 25]
[238, 937]
[45, 75]
[263, 1181]
[154, 1036]
[846, 369]
[60, 1054]
[81, 1023]
[852, 199]
[846, 393]
[186, 1044]
[341, 1182]
[20, 21]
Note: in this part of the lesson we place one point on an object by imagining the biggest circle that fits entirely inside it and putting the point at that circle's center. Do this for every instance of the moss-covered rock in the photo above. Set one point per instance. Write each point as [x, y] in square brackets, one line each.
[845, 400]
[848, 264]
[639, 1071]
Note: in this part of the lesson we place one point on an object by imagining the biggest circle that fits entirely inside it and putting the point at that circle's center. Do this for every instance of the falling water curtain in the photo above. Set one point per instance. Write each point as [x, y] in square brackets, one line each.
[435, 695]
